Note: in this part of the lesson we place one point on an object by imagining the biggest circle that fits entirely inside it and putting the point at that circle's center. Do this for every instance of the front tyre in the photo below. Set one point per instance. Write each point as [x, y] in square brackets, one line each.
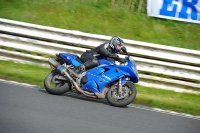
[126, 97]
[54, 86]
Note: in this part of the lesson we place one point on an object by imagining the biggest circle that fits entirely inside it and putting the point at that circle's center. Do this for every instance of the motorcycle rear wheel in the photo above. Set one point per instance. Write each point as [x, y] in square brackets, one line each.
[127, 97]
[54, 86]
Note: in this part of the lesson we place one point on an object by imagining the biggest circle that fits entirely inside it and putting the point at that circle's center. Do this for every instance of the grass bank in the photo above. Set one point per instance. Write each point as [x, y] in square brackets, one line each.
[127, 19]
[169, 100]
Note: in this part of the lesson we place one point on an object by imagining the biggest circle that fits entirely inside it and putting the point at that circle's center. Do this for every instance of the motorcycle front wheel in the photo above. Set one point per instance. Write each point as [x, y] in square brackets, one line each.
[127, 96]
[54, 86]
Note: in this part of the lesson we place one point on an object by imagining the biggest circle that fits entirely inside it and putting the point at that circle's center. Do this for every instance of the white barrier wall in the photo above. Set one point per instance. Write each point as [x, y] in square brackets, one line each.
[179, 68]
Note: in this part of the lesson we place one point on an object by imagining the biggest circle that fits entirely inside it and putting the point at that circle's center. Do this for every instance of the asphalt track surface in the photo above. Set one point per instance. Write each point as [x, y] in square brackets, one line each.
[25, 109]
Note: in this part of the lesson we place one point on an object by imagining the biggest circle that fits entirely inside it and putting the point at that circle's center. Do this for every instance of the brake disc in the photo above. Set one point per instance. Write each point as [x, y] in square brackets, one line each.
[125, 92]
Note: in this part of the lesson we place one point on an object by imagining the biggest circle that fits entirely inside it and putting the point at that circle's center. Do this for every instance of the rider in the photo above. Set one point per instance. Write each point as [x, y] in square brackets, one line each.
[108, 50]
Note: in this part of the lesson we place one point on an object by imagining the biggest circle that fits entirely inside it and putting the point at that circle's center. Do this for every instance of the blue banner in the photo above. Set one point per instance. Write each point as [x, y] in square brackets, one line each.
[182, 10]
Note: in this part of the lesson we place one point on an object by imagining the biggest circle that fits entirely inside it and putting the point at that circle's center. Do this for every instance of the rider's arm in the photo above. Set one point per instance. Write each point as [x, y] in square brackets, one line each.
[104, 52]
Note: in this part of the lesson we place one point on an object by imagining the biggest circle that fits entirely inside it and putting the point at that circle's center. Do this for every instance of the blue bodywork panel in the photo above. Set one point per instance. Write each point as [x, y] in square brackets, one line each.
[71, 59]
[107, 72]
[104, 61]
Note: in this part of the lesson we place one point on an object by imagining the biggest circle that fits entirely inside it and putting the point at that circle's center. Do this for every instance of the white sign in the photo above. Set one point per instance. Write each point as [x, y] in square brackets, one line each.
[182, 10]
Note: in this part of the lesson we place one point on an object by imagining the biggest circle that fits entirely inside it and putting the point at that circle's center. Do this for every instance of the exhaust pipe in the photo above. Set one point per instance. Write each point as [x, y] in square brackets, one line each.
[62, 70]
[53, 62]
[56, 65]
[78, 88]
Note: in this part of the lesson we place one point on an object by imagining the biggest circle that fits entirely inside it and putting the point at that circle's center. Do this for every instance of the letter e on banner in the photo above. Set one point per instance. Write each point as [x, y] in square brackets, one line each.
[168, 8]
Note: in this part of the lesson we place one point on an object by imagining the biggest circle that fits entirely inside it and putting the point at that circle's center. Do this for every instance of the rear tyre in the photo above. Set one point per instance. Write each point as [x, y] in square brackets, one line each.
[121, 100]
[56, 87]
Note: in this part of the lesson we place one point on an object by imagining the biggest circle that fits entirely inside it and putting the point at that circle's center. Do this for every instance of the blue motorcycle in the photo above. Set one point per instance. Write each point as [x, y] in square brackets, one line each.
[108, 80]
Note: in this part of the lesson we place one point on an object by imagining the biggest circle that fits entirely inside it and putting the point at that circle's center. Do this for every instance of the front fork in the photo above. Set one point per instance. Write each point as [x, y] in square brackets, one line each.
[121, 82]
[120, 86]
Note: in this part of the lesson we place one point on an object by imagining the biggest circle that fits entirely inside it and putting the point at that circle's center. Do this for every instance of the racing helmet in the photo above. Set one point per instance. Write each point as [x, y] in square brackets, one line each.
[114, 41]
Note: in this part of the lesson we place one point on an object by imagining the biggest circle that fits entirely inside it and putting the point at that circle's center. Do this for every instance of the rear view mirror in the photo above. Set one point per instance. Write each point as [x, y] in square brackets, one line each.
[124, 49]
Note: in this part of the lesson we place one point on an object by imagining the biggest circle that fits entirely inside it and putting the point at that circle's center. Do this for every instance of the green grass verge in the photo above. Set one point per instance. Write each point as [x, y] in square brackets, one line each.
[151, 97]
[127, 19]
[31, 74]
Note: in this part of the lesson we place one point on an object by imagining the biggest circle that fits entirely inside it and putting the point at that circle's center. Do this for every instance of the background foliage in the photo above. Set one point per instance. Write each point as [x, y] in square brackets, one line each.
[125, 18]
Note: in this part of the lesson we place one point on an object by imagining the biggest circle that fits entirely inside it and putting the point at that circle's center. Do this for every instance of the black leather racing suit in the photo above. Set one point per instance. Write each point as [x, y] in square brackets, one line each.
[104, 51]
